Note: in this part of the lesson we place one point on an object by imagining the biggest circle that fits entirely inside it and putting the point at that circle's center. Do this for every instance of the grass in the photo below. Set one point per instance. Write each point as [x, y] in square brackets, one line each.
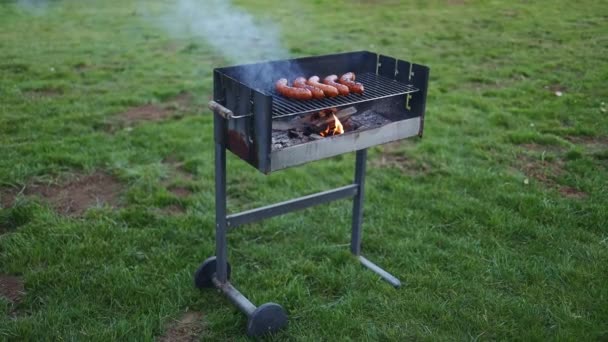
[477, 223]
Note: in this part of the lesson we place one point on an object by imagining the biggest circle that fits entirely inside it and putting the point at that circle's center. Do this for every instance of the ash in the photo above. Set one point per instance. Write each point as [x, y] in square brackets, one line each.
[361, 122]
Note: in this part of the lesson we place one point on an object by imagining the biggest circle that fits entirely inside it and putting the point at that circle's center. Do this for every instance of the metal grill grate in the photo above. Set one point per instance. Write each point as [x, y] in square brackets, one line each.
[376, 87]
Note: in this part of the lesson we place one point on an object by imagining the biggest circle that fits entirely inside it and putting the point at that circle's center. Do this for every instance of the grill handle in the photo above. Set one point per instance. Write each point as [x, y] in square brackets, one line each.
[224, 112]
[221, 110]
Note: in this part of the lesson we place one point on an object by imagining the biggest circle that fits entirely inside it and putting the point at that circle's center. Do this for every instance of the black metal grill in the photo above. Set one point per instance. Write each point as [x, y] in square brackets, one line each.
[376, 87]
[245, 106]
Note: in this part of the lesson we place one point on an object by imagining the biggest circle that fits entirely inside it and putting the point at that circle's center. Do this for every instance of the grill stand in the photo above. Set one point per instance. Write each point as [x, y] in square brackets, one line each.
[215, 271]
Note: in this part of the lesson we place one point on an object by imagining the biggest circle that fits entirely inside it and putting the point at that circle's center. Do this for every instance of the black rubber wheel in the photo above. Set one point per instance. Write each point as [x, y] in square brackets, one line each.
[266, 319]
[203, 277]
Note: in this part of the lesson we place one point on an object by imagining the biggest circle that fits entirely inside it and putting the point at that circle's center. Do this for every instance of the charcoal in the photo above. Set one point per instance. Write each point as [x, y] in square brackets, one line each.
[286, 138]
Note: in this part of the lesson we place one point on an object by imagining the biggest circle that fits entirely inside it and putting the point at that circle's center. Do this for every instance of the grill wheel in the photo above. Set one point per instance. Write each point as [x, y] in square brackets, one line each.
[203, 277]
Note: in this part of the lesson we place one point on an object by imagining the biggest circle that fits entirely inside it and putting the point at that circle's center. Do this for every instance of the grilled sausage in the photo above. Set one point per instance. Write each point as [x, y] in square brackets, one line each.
[331, 81]
[300, 82]
[348, 80]
[291, 92]
[329, 91]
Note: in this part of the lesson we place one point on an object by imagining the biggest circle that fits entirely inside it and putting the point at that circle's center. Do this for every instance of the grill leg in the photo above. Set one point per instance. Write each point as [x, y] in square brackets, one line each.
[220, 199]
[264, 319]
[355, 238]
[355, 242]
[215, 271]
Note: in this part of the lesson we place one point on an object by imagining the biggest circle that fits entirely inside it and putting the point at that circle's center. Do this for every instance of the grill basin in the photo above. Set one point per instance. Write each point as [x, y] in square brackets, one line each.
[394, 88]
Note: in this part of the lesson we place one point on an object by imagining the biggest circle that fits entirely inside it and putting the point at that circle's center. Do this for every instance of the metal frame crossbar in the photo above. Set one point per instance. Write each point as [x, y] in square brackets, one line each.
[215, 271]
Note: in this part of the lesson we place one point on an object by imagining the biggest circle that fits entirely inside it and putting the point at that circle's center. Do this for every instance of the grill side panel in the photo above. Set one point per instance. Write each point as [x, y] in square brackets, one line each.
[420, 79]
[262, 107]
[408, 73]
[248, 137]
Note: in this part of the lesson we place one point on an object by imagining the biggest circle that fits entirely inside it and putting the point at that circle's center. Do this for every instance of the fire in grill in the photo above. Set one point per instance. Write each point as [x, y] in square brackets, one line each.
[272, 132]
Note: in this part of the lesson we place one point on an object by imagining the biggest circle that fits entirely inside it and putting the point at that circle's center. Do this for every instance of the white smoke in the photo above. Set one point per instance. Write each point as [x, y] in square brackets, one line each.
[229, 30]
[36, 7]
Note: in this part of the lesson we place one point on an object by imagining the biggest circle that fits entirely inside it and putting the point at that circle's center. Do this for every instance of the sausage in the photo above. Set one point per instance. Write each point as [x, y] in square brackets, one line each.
[300, 82]
[331, 81]
[291, 92]
[329, 91]
[348, 80]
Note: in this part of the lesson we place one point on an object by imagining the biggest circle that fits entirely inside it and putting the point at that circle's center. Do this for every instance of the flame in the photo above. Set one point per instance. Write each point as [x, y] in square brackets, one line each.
[338, 128]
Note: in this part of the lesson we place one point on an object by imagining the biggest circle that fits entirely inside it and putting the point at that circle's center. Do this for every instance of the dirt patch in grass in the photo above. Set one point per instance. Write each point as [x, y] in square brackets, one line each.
[391, 156]
[43, 92]
[510, 13]
[180, 191]
[188, 327]
[378, 2]
[178, 168]
[74, 197]
[593, 144]
[407, 165]
[11, 288]
[183, 99]
[16, 68]
[532, 147]
[571, 192]
[4, 228]
[171, 109]
[177, 172]
[556, 89]
[11, 218]
[149, 112]
[82, 67]
[478, 83]
[173, 210]
[546, 172]
[7, 197]
[597, 147]
[542, 170]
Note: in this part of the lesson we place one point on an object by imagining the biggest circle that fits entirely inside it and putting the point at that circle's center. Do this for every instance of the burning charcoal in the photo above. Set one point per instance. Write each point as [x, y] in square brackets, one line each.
[315, 137]
[308, 131]
[292, 133]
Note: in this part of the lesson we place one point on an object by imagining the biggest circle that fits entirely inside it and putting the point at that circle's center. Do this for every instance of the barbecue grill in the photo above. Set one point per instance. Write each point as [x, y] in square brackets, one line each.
[250, 119]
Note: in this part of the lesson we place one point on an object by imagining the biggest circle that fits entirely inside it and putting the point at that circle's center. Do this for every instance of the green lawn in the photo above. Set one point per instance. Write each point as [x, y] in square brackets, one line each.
[496, 220]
